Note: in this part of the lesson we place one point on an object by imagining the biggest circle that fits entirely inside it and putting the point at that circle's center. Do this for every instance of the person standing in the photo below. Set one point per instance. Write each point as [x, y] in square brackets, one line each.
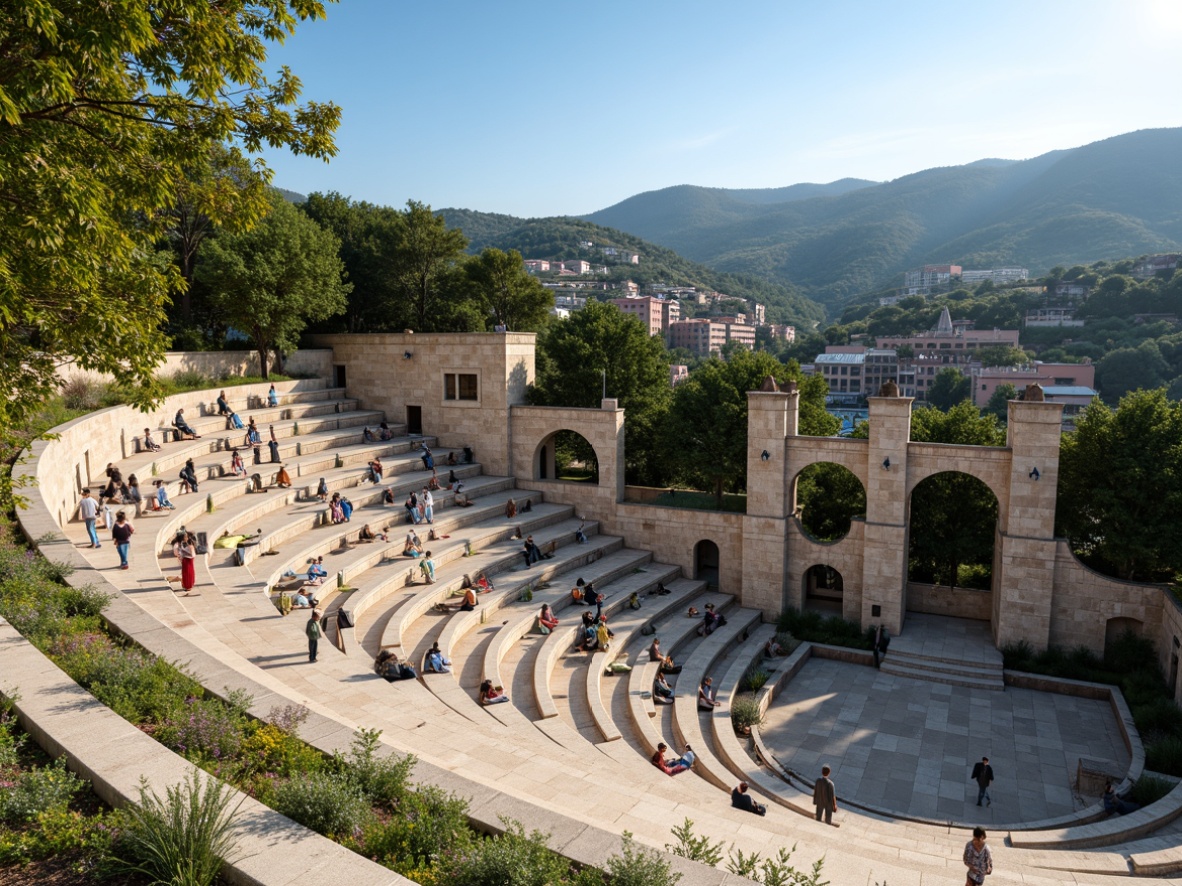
[88, 510]
[272, 397]
[983, 776]
[121, 532]
[977, 858]
[428, 505]
[825, 796]
[186, 552]
[882, 639]
[312, 629]
[273, 445]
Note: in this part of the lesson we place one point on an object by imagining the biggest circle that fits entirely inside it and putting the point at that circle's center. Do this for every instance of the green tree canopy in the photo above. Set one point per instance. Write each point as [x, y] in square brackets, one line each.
[706, 434]
[951, 386]
[1120, 487]
[425, 256]
[953, 515]
[998, 405]
[102, 110]
[508, 293]
[1128, 369]
[367, 234]
[572, 356]
[270, 281]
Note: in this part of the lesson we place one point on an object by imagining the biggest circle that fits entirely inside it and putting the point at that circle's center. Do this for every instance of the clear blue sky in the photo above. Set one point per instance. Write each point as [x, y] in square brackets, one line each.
[533, 108]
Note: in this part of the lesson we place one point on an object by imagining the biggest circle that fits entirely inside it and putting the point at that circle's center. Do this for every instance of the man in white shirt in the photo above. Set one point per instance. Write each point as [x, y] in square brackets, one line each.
[88, 510]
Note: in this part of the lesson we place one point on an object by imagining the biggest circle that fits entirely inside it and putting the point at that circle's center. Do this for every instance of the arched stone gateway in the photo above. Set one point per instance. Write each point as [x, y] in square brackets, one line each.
[873, 558]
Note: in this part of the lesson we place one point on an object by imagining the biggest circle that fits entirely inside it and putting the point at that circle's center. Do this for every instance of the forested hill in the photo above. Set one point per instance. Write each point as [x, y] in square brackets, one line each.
[1120, 196]
[559, 238]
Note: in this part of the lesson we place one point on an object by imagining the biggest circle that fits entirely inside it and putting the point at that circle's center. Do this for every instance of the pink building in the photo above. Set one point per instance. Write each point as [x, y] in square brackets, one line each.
[678, 372]
[655, 313]
[705, 337]
[1049, 375]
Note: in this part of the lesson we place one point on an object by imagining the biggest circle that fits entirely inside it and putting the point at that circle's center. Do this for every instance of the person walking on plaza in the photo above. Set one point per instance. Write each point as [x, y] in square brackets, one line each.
[88, 510]
[825, 796]
[121, 532]
[186, 552]
[312, 629]
[977, 858]
[983, 776]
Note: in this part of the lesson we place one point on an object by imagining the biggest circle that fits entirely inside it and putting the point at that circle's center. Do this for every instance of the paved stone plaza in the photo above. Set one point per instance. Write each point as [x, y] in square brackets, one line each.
[908, 745]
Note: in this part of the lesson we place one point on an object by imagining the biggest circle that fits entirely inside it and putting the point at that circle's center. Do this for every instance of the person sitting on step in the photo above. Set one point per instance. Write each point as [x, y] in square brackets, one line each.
[437, 662]
[388, 666]
[658, 760]
[490, 694]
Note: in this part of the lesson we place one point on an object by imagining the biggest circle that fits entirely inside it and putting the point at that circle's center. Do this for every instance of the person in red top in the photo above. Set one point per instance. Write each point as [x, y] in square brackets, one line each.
[658, 760]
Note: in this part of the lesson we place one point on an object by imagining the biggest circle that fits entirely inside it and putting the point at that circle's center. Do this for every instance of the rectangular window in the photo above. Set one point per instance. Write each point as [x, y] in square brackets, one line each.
[460, 386]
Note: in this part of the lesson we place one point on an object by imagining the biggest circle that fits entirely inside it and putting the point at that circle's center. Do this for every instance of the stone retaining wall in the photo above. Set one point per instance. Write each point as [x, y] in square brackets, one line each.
[315, 362]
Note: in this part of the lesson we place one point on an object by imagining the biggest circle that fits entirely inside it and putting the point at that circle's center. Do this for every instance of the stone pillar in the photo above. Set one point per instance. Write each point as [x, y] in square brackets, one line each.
[772, 417]
[612, 476]
[884, 553]
[1024, 567]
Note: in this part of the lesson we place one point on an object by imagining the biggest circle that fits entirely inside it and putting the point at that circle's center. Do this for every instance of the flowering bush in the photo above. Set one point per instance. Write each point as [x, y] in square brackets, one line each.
[203, 730]
[37, 790]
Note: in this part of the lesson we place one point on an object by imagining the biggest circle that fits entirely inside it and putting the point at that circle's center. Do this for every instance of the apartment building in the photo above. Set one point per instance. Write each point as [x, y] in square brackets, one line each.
[657, 314]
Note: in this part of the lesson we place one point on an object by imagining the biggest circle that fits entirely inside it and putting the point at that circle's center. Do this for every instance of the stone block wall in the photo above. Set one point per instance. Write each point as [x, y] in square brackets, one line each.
[955, 602]
[379, 373]
[87, 444]
[844, 555]
[1085, 600]
[315, 362]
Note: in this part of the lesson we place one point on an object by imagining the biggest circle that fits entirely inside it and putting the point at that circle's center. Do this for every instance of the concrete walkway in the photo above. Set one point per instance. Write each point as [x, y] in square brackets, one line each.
[908, 745]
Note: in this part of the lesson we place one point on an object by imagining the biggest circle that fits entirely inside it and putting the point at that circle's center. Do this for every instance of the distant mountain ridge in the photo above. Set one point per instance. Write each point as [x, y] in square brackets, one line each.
[1116, 197]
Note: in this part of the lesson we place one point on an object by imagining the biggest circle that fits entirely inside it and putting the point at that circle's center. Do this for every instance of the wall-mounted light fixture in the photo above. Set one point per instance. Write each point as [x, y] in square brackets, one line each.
[886, 463]
[406, 355]
[1034, 474]
[765, 455]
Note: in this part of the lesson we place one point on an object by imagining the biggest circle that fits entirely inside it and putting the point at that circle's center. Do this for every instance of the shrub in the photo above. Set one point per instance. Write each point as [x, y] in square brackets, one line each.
[203, 730]
[83, 392]
[1165, 756]
[429, 824]
[745, 712]
[512, 859]
[1159, 716]
[832, 630]
[38, 790]
[323, 802]
[787, 642]
[1149, 789]
[754, 679]
[690, 845]
[191, 380]
[183, 839]
[637, 866]
[382, 778]
[53, 832]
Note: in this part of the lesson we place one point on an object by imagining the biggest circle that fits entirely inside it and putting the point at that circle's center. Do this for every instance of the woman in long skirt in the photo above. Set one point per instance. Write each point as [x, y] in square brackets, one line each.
[188, 558]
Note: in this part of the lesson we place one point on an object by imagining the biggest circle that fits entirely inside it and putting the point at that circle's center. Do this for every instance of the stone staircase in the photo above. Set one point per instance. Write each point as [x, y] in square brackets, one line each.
[960, 653]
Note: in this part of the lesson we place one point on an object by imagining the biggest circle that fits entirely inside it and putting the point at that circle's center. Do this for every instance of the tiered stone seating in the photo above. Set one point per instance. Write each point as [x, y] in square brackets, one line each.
[528, 765]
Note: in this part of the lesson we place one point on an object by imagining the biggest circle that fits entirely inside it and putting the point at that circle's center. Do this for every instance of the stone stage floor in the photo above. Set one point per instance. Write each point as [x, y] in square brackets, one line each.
[908, 746]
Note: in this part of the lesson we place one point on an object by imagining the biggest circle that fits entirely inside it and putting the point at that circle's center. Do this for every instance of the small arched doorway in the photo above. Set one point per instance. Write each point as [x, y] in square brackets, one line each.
[824, 589]
[566, 456]
[706, 562]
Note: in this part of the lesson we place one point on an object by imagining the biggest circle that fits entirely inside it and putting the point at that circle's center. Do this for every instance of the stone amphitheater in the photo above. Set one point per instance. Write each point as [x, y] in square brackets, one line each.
[569, 754]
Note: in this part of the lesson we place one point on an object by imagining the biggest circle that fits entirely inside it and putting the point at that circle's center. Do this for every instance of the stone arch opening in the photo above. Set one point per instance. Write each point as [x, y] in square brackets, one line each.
[567, 456]
[824, 589]
[1116, 628]
[952, 532]
[827, 496]
[706, 562]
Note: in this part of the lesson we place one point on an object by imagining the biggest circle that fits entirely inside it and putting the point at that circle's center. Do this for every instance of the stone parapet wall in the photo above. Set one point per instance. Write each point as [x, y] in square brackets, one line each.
[84, 446]
[942, 600]
[315, 362]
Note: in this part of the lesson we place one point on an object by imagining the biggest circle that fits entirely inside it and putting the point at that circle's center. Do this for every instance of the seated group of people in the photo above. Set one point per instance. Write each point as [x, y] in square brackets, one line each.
[388, 666]
[594, 635]
[711, 620]
[119, 491]
[340, 508]
[383, 433]
[673, 767]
